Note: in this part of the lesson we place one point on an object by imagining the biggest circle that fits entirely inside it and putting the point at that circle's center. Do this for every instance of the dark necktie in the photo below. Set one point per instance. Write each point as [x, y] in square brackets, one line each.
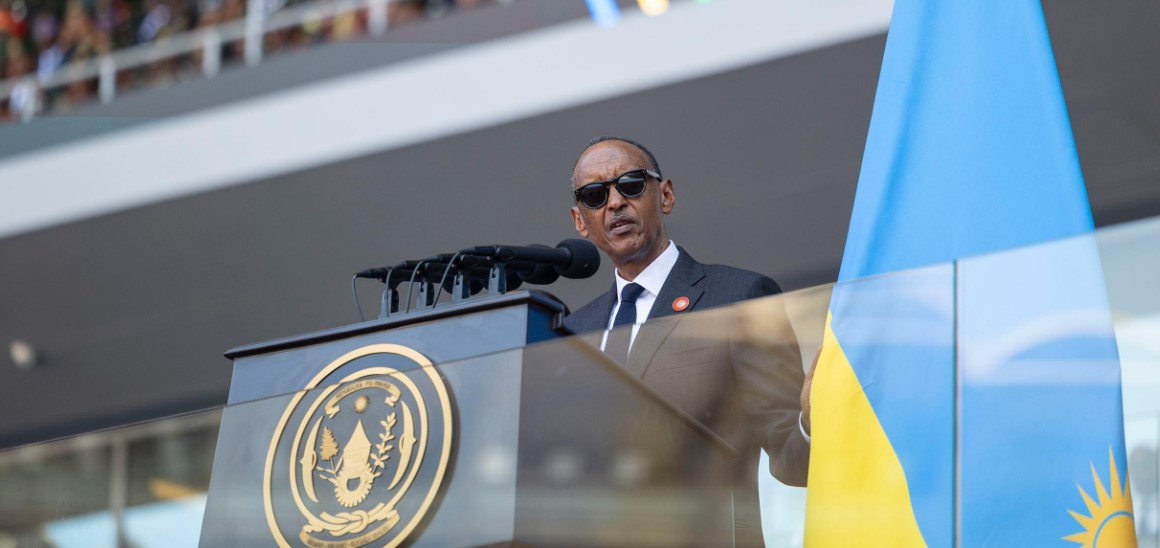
[620, 337]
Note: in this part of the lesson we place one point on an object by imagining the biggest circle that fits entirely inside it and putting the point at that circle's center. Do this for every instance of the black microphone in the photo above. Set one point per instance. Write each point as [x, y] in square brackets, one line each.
[540, 274]
[572, 258]
[407, 266]
[527, 271]
[475, 268]
[381, 272]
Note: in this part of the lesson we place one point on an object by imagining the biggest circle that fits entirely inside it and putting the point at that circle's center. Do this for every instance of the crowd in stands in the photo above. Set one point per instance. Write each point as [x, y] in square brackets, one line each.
[40, 38]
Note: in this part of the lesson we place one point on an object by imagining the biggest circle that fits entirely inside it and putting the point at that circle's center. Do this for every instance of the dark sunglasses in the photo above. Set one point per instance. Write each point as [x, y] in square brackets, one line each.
[629, 185]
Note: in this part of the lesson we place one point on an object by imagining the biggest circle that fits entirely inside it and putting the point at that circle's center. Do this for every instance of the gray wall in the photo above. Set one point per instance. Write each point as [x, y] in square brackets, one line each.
[132, 310]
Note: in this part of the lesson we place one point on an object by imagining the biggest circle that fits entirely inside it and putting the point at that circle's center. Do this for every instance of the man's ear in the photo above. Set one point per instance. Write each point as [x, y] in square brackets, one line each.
[668, 198]
[579, 220]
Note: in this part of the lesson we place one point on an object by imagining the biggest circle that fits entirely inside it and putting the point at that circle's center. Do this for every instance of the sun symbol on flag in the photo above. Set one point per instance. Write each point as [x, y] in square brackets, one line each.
[1110, 522]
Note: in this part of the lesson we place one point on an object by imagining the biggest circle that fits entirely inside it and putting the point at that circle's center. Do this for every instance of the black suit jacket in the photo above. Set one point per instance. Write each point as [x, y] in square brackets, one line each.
[738, 371]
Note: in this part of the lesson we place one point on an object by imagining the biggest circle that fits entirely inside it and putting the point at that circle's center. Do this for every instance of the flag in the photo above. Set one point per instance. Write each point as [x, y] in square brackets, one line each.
[605, 13]
[940, 346]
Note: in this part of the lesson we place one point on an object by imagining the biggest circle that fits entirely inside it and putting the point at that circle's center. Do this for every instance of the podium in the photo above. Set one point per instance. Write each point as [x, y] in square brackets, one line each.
[474, 424]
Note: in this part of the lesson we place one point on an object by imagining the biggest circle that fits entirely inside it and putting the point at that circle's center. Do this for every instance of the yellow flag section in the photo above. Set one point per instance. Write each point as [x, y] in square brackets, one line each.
[858, 493]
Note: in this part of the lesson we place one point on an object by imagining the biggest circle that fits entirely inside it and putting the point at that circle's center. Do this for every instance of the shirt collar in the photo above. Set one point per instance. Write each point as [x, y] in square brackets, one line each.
[655, 274]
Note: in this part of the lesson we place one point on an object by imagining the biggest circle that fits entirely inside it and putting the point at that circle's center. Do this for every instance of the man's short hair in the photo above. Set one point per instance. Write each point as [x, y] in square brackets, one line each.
[652, 160]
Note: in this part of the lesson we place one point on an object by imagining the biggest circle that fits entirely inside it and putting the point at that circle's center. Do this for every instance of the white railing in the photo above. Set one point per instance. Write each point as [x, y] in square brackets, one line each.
[24, 92]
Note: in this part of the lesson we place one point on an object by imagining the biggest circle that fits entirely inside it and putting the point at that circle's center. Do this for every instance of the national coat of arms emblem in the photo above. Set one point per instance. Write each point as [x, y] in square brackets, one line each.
[362, 459]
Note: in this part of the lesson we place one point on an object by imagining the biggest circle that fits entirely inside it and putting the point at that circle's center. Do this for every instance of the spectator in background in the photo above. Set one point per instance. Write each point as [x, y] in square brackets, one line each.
[77, 92]
[18, 63]
[157, 17]
[44, 32]
[406, 11]
[12, 18]
[63, 35]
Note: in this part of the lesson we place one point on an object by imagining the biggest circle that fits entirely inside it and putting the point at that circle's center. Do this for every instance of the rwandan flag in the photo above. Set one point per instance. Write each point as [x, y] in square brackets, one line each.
[967, 392]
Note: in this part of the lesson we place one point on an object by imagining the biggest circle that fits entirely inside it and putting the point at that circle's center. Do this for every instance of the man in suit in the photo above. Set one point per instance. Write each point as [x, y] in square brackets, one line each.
[746, 386]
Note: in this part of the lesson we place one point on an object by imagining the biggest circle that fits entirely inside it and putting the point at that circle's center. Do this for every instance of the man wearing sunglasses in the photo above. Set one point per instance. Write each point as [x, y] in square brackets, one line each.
[750, 394]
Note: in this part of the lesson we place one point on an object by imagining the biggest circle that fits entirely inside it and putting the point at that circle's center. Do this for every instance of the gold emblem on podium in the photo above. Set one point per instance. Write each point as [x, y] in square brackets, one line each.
[361, 460]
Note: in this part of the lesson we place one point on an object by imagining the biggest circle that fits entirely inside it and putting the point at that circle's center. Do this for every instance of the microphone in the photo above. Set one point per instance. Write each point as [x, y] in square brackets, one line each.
[381, 272]
[474, 268]
[526, 271]
[401, 271]
[499, 268]
[540, 274]
[572, 258]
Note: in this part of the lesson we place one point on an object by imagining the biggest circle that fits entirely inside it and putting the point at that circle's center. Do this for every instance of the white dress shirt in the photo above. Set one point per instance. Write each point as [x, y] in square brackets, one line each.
[651, 279]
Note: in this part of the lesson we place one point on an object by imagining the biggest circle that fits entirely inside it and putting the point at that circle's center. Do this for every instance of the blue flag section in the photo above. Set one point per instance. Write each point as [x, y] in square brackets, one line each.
[1041, 409]
[605, 13]
[970, 149]
[969, 152]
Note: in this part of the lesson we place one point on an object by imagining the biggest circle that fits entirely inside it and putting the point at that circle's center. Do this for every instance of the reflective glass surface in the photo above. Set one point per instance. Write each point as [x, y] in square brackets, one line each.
[1130, 254]
[143, 485]
[692, 441]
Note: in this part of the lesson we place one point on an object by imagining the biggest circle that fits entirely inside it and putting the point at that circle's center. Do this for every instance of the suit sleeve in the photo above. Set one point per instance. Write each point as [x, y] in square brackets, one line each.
[767, 363]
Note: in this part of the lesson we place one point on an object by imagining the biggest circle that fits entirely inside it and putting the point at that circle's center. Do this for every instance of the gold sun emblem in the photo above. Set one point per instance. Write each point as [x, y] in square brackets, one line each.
[1110, 522]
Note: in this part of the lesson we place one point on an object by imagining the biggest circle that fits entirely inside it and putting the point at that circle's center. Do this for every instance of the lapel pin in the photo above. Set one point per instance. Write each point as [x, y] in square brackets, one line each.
[681, 303]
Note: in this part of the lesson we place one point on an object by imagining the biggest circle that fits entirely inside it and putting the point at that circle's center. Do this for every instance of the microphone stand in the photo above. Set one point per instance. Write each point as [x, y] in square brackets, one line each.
[497, 279]
[389, 304]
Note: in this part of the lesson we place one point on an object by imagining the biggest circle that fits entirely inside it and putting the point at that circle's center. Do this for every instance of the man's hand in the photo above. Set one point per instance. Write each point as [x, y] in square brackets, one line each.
[809, 382]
